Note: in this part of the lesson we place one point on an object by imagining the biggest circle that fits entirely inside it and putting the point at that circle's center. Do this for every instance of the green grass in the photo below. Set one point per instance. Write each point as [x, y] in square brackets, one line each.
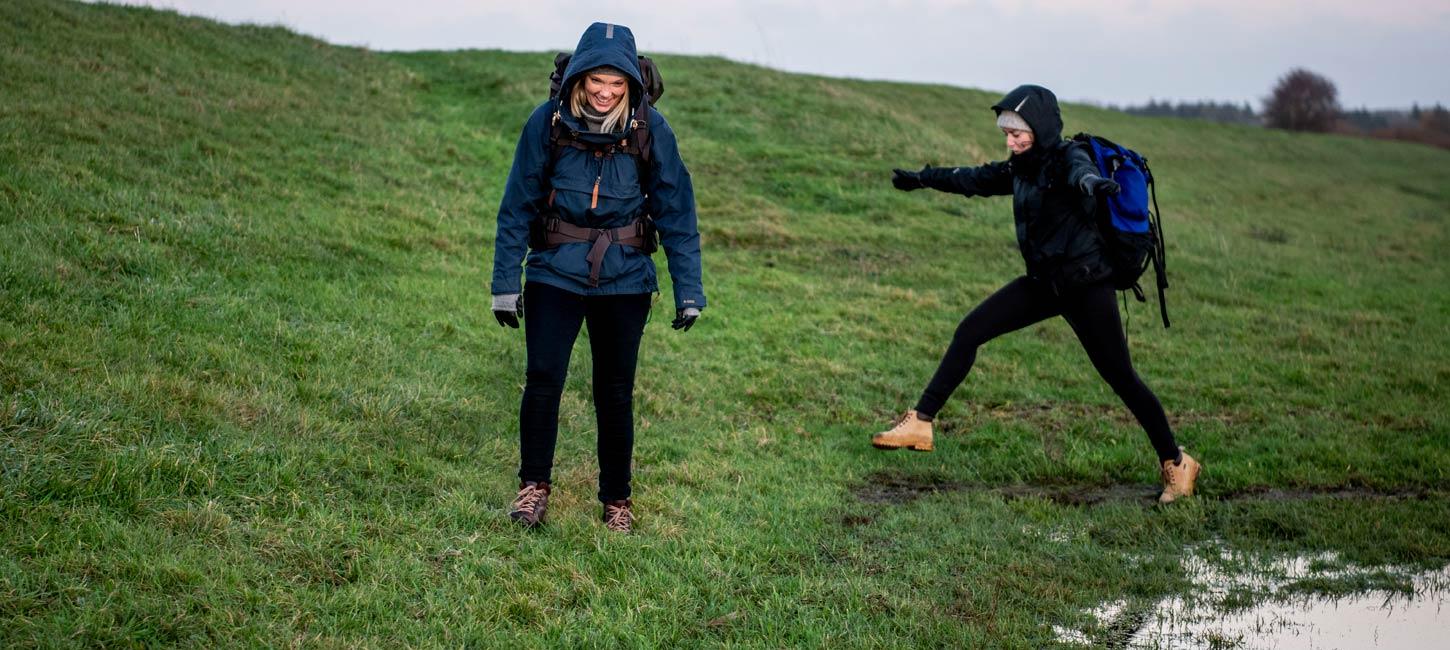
[251, 392]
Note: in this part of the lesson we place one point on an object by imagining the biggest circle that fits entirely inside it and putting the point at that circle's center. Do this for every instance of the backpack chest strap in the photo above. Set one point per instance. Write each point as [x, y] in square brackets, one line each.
[562, 136]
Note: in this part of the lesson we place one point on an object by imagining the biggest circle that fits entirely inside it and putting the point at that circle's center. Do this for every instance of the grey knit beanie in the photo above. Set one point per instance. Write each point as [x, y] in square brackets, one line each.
[609, 70]
[1012, 120]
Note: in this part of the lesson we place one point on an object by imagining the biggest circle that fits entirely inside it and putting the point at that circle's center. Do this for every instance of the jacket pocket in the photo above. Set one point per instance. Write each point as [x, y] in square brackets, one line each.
[615, 176]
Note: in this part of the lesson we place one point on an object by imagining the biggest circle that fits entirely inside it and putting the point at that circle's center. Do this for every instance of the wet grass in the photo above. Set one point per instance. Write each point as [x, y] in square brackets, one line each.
[251, 394]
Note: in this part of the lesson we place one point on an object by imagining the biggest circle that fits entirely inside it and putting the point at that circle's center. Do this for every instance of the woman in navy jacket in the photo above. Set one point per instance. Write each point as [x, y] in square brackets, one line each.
[595, 191]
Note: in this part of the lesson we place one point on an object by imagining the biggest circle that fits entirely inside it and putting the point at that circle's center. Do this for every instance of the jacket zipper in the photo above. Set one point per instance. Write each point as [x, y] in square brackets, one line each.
[594, 196]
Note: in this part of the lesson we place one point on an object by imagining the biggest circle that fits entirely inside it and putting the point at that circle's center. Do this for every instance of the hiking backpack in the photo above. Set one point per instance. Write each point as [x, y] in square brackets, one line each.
[1133, 232]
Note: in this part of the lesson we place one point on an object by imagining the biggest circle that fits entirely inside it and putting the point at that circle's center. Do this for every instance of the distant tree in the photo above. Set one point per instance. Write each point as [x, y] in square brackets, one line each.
[1302, 101]
[1436, 119]
[1201, 110]
[1365, 120]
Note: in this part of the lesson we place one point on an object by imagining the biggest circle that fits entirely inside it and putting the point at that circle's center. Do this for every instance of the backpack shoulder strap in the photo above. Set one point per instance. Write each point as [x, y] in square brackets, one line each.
[642, 141]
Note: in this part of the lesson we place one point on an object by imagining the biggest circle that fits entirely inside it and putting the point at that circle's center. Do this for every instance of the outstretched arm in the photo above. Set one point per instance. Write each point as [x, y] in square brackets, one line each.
[991, 179]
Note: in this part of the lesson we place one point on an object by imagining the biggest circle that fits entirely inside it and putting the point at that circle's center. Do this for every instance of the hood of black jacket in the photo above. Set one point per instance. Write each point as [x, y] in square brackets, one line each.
[1038, 106]
[605, 44]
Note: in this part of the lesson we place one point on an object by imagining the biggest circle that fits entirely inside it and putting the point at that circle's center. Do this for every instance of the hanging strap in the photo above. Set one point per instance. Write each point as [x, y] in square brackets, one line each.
[1160, 252]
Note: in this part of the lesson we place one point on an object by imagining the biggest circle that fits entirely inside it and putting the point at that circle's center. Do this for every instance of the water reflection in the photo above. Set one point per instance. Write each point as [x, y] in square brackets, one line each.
[1241, 602]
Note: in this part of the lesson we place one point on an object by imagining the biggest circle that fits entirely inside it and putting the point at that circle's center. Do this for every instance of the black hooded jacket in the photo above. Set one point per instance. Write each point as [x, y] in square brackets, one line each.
[1055, 227]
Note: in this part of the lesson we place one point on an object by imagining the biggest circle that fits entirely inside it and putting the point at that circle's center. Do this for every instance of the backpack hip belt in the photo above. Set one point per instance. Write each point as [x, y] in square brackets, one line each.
[558, 232]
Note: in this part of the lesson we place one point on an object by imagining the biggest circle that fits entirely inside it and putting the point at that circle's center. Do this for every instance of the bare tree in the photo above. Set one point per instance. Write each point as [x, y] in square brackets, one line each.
[1302, 101]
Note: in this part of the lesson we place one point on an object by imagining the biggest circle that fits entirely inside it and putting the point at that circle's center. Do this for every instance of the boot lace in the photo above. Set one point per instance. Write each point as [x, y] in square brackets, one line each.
[901, 422]
[1170, 473]
[617, 518]
[904, 421]
[529, 498]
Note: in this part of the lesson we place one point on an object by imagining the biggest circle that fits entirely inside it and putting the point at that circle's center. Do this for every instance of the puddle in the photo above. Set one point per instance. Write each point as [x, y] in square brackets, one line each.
[889, 488]
[1267, 605]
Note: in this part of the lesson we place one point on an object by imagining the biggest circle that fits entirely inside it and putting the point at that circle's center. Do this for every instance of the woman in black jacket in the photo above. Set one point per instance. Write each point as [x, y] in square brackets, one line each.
[1053, 183]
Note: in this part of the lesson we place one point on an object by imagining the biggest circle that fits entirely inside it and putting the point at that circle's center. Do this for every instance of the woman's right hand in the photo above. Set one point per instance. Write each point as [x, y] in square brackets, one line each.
[508, 308]
[906, 181]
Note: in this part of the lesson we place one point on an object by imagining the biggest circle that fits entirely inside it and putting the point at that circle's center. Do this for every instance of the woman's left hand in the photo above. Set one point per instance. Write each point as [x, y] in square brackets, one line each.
[685, 318]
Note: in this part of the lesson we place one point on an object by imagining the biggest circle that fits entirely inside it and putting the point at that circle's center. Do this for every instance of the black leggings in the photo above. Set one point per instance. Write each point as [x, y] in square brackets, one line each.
[1092, 312]
[552, 317]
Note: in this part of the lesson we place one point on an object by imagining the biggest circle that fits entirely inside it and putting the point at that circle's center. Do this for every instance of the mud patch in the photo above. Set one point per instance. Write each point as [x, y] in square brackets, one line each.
[890, 488]
[896, 489]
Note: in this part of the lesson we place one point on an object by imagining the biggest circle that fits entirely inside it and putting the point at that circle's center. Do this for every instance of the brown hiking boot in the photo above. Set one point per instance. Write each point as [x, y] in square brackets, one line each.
[910, 432]
[1178, 478]
[618, 516]
[531, 503]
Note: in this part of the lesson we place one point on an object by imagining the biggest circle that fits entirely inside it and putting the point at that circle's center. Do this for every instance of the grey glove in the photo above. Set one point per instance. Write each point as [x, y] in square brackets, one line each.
[508, 308]
[1094, 185]
[685, 318]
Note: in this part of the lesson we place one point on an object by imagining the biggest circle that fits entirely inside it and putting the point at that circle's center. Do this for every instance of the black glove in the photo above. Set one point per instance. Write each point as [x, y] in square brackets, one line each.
[508, 309]
[685, 318]
[1099, 186]
[906, 181]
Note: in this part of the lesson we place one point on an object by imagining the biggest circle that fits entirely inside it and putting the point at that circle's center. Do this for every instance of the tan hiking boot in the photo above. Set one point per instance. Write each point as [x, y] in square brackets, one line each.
[618, 516]
[910, 432]
[1179, 478]
[531, 503]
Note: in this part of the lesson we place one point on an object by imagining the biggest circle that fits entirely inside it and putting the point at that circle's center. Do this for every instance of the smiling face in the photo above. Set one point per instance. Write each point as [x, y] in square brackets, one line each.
[1018, 141]
[603, 91]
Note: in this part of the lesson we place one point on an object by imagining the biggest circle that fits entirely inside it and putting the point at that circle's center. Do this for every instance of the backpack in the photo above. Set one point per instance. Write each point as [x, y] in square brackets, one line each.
[1133, 233]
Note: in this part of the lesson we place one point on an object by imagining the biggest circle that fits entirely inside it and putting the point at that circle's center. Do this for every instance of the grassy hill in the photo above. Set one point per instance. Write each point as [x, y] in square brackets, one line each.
[251, 392]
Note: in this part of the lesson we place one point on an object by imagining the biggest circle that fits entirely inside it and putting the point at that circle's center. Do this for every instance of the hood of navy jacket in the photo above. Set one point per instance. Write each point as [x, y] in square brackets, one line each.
[1038, 106]
[604, 44]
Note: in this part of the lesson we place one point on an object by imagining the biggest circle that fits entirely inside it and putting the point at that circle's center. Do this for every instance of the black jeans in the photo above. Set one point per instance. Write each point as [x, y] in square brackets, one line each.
[552, 317]
[1092, 311]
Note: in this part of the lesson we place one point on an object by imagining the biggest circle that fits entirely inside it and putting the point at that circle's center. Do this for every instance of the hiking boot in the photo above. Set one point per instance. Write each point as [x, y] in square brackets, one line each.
[617, 515]
[531, 503]
[910, 432]
[1178, 478]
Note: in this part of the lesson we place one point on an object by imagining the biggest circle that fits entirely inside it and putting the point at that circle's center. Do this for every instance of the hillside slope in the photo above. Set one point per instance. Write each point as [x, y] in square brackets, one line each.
[250, 390]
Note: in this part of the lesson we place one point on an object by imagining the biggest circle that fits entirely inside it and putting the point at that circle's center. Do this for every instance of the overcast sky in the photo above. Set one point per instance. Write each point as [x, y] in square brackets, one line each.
[1380, 53]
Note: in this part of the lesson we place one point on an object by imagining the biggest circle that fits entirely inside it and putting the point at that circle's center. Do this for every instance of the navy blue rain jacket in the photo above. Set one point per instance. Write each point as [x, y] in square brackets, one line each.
[670, 197]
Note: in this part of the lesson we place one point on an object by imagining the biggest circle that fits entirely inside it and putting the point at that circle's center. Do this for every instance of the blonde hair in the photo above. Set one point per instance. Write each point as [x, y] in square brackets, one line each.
[616, 116]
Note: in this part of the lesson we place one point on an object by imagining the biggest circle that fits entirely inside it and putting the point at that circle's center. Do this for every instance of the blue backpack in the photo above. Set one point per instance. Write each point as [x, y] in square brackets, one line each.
[1133, 232]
